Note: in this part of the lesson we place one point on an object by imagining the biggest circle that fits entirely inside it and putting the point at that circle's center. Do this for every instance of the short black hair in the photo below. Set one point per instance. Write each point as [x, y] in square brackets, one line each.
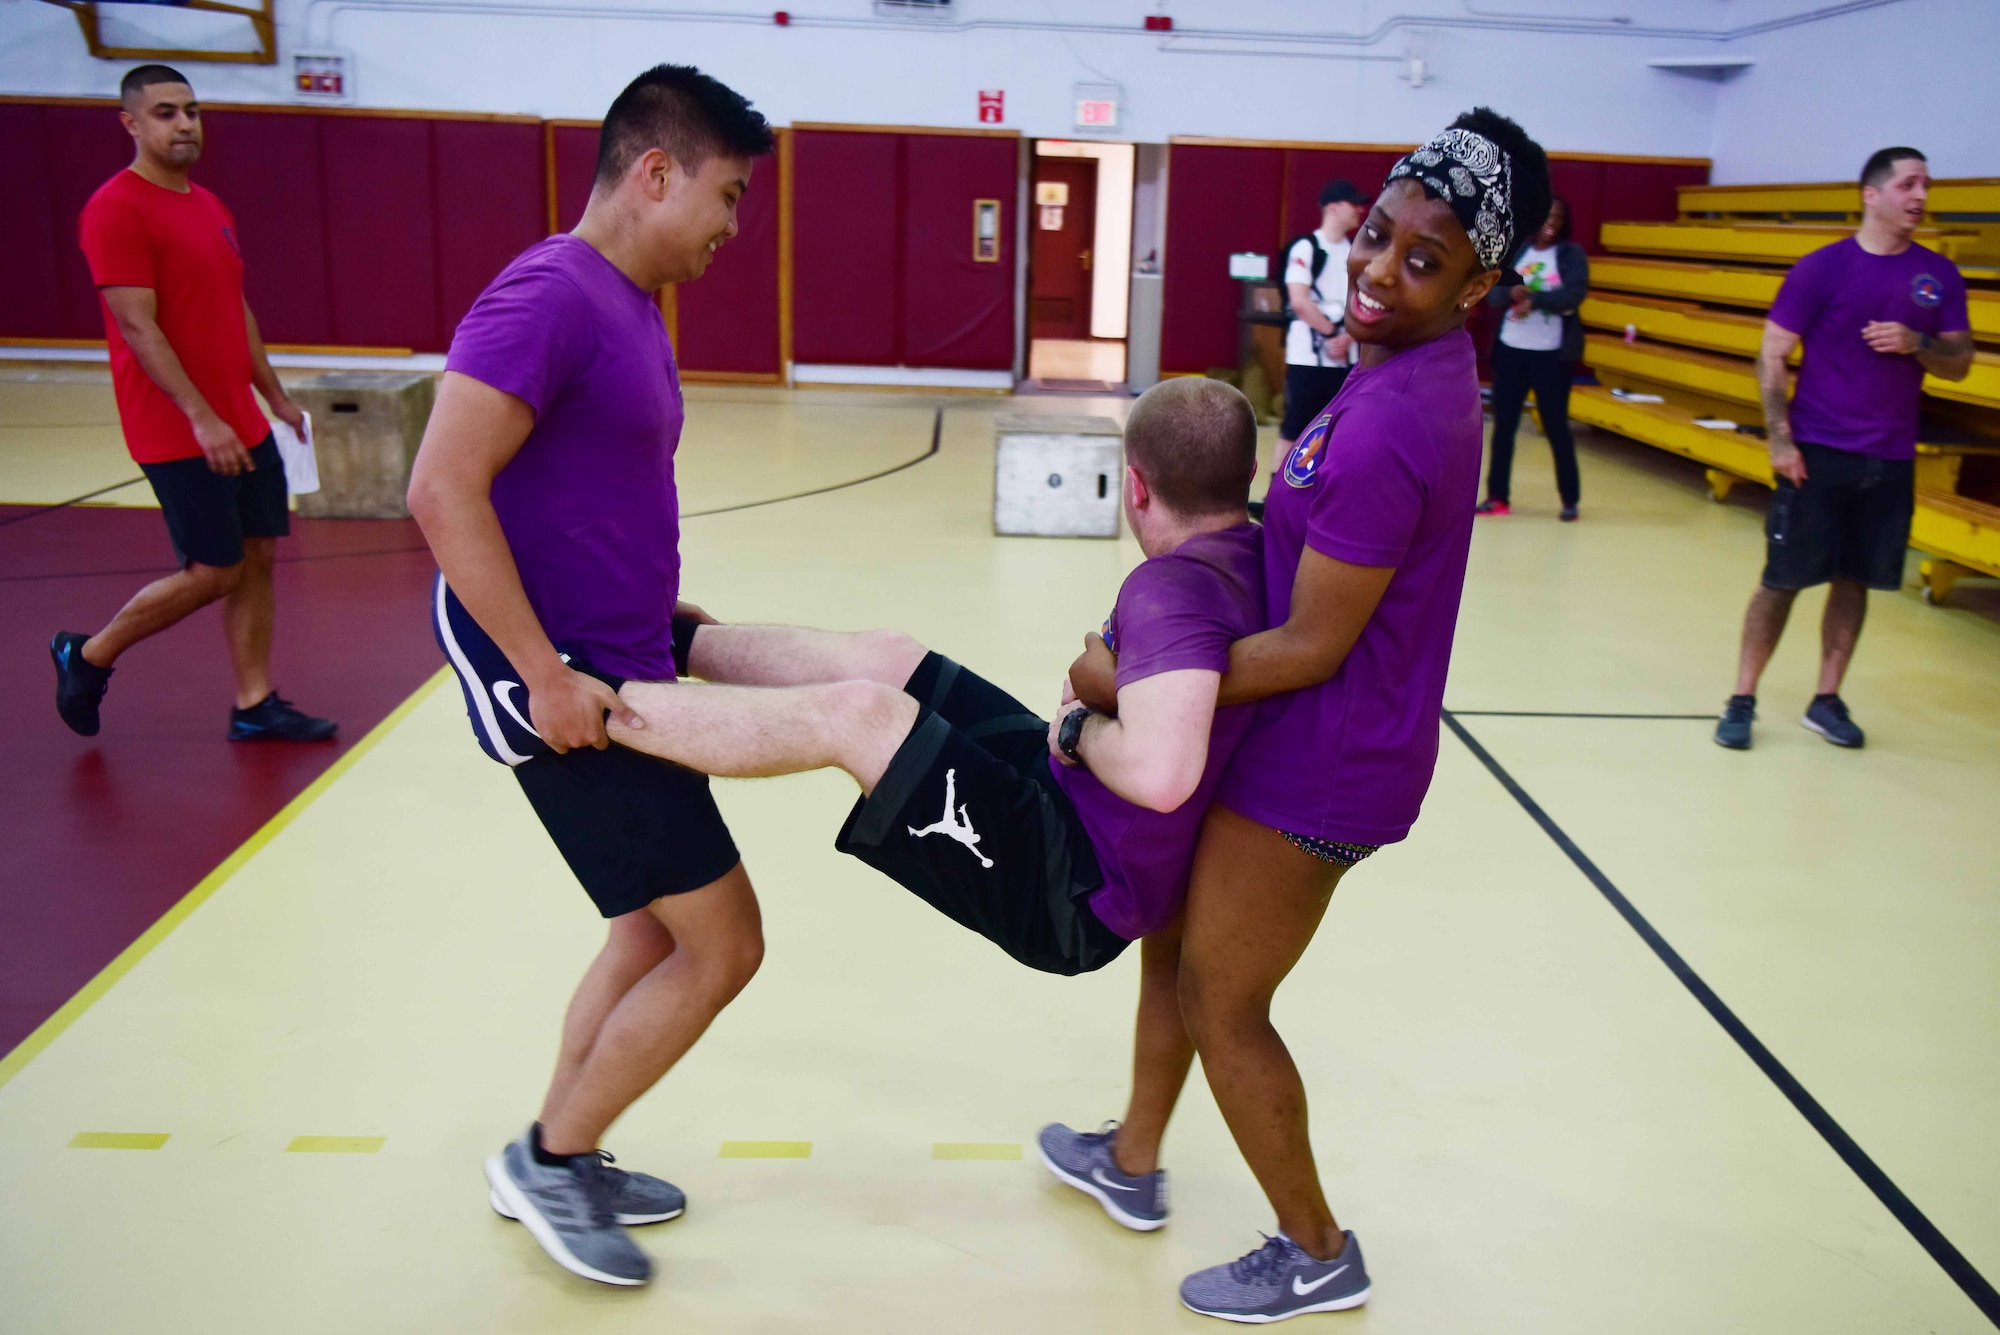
[1882, 164]
[141, 77]
[683, 112]
[1530, 201]
[1194, 440]
[1562, 232]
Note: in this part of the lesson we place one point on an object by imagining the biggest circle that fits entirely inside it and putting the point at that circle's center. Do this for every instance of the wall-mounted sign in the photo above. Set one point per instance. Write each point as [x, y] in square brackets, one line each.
[1097, 106]
[1246, 264]
[992, 106]
[1052, 192]
[323, 76]
[1052, 217]
[986, 231]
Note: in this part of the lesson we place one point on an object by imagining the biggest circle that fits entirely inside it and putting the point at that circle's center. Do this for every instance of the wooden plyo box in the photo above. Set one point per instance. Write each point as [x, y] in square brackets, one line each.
[366, 429]
[1057, 477]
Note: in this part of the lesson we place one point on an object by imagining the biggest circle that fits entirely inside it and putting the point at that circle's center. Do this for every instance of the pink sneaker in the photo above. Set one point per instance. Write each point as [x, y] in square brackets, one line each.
[1492, 507]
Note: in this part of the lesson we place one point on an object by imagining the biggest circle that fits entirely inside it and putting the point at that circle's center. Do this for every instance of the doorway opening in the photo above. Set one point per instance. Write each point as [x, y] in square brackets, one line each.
[1079, 265]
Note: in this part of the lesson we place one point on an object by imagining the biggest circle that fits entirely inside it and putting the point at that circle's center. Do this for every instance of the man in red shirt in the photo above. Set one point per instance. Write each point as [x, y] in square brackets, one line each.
[185, 352]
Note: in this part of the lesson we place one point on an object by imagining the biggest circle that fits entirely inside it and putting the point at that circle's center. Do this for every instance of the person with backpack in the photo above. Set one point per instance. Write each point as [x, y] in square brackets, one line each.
[1318, 351]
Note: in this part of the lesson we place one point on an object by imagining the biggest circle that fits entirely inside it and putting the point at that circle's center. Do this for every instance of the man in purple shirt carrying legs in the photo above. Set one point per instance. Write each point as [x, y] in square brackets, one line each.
[1874, 313]
[545, 486]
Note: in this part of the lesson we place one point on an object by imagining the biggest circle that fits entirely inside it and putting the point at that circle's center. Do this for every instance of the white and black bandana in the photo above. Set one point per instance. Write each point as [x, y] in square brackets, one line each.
[1472, 174]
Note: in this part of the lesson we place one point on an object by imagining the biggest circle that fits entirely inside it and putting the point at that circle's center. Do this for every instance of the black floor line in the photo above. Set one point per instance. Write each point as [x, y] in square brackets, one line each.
[74, 500]
[1544, 713]
[1921, 1228]
[937, 436]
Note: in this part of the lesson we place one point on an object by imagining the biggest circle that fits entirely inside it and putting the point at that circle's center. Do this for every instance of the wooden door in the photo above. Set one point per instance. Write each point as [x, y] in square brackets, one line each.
[1059, 258]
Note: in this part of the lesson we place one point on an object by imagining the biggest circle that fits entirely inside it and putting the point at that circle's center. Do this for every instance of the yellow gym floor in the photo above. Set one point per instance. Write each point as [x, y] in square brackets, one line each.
[1531, 1121]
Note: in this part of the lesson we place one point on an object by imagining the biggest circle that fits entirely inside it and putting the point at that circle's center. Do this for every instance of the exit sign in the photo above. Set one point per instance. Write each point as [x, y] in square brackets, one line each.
[992, 106]
[1097, 106]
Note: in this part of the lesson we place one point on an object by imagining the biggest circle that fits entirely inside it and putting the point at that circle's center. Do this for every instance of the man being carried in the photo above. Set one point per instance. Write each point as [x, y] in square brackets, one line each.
[1060, 843]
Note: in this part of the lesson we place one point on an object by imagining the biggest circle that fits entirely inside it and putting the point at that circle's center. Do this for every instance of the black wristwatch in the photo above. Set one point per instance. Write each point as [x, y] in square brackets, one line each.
[1071, 733]
[1924, 342]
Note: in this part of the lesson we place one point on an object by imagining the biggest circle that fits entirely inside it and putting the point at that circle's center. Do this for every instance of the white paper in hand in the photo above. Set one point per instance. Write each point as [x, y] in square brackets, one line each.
[296, 449]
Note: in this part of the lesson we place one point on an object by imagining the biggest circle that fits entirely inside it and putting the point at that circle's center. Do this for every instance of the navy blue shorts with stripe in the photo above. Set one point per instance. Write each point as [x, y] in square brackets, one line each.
[631, 827]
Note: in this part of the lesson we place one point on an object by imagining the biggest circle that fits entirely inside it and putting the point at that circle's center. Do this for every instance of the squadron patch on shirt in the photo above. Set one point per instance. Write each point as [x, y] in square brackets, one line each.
[1302, 464]
[1926, 291]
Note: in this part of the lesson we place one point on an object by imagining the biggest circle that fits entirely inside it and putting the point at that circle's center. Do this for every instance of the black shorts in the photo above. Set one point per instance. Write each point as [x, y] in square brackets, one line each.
[1308, 389]
[1850, 520]
[208, 515]
[631, 827]
[968, 818]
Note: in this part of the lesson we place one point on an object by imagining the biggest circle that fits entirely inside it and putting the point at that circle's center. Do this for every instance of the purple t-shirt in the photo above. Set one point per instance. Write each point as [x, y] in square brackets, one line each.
[1849, 396]
[1351, 759]
[588, 505]
[1180, 610]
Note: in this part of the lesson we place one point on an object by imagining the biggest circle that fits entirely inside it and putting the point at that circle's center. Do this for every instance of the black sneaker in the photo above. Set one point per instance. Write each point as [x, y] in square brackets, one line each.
[1737, 716]
[1568, 515]
[274, 719]
[80, 685]
[1827, 716]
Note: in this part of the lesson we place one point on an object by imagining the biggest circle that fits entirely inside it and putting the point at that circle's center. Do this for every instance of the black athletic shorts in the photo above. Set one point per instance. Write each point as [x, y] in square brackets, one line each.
[1308, 389]
[1851, 520]
[631, 826]
[208, 515]
[968, 818]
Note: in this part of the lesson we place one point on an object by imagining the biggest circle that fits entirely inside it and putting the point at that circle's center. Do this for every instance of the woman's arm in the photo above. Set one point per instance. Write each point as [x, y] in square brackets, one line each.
[1331, 603]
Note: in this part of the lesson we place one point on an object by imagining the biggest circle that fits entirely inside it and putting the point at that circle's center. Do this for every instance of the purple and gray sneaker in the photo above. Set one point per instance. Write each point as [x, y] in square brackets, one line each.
[1278, 1280]
[1085, 1161]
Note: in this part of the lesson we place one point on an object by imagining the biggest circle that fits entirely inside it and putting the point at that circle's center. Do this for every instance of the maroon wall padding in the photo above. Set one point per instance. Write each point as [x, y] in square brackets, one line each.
[956, 311]
[846, 246]
[1645, 191]
[266, 169]
[87, 146]
[728, 319]
[382, 238]
[490, 206]
[31, 302]
[1307, 169]
[576, 167]
[1219, 200]
[1581, 185]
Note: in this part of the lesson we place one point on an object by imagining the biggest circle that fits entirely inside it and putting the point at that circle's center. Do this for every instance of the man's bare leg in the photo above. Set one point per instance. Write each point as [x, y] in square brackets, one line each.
[799, 656]
[159, 605]
[718, 942]
[637, 943]
[1162, 1052]
[749, 732]
[1763, 626]
[1840, 631]
[247, 615]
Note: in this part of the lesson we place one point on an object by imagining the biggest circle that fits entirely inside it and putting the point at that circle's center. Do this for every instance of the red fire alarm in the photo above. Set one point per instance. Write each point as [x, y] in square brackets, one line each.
[992, 106]
[783, 18]
[1159, 23]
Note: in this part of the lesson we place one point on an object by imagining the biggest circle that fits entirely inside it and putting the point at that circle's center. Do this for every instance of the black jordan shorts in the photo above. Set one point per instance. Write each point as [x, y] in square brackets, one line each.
[968, 818]
[1850, 520]
[208, 515]
[632, 827]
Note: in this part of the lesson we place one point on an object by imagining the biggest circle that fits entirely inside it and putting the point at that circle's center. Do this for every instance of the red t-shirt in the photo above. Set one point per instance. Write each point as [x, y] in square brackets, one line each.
[183, 246]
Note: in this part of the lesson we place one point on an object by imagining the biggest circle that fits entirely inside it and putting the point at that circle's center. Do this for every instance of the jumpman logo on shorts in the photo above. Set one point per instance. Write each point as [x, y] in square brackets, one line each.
[955, 824]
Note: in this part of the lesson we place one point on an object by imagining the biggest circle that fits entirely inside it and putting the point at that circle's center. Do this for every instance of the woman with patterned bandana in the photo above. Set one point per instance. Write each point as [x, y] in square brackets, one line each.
[1366, 534]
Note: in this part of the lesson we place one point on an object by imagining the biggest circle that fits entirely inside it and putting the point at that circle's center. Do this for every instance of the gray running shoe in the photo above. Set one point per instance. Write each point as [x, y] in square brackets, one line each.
[1085, 1161]
[1279, 1280]
[568, 1209]
[636, 1198]
[1827, 716]
[1733, 729]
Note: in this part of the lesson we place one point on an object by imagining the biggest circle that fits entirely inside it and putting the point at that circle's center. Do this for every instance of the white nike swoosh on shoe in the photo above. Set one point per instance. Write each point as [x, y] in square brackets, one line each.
[1097, 1176]
[1302, 1289]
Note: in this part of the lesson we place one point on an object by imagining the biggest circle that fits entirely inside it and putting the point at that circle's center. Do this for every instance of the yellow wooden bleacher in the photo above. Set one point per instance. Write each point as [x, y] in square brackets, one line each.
[1676, 310]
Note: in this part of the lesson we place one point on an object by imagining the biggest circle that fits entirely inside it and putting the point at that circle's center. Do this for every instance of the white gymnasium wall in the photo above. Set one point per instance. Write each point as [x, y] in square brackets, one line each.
[1821, 98]
[1575, 90]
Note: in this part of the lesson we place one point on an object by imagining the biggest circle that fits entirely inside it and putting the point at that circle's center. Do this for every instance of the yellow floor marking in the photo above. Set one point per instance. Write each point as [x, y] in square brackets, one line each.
[972, 1149]
[118, 1140]
[87, 996]
[335, 1144]
[767, 1149]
